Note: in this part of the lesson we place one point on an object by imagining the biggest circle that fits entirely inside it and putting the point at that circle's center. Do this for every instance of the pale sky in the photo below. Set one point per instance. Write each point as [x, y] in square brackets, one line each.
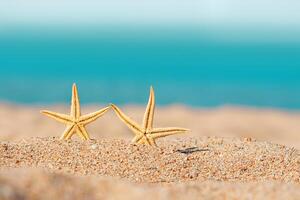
[209, 12]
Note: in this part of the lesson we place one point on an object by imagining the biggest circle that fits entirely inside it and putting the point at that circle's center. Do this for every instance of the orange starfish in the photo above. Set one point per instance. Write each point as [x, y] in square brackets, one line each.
[75, 121]
[146, 134]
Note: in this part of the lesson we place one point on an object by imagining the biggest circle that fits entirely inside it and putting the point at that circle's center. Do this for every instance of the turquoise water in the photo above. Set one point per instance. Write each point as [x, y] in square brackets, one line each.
[198, 68]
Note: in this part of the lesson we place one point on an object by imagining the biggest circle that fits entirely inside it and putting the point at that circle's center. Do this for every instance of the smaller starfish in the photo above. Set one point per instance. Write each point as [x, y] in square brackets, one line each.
[75, 121]
[146, 134]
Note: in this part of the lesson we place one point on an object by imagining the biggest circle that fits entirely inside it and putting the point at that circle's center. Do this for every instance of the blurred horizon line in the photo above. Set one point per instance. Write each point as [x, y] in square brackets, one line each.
[208, 33]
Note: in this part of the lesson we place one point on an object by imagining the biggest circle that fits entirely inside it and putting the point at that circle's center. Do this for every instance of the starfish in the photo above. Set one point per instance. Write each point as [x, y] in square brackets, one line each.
[146, 134]
[75, 121]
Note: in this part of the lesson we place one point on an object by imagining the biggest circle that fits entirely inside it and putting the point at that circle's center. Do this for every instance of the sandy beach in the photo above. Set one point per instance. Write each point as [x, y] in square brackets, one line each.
[149, 100]
[230, 153]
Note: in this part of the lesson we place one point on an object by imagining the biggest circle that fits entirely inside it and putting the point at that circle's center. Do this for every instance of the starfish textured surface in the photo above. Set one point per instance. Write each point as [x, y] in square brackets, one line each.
[75, 122]
[146, 134]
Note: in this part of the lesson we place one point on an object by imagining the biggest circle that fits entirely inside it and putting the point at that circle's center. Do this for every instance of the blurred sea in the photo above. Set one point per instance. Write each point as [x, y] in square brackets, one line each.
[194, 67]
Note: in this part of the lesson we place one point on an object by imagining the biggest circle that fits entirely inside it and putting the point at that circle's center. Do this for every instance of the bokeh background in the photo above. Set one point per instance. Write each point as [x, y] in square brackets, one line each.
[197, 52]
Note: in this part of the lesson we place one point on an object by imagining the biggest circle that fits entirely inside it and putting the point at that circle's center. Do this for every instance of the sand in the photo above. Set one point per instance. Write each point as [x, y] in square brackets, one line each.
[38, 184]
[231, 153]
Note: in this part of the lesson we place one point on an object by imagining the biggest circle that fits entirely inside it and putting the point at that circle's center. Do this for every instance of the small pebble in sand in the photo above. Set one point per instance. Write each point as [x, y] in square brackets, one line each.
[94, 146]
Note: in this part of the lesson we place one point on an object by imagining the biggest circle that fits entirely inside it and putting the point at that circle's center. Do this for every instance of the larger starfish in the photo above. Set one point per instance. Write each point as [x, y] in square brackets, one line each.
[75, 121]
[146, 134]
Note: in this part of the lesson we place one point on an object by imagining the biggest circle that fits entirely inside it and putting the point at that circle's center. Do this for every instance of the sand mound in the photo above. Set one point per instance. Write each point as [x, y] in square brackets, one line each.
[37, 184]
[106, 168]
[192, 159]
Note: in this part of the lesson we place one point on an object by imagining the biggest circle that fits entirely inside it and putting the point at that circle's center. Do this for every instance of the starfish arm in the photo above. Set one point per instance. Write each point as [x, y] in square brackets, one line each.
[58, 117]
[75, 105]
[144, 140]
[67, 133]
[149, 114]
[163, 132]
[129, 122]
[152, 142]
[137, 138]
[82, 132]
[86, 119]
